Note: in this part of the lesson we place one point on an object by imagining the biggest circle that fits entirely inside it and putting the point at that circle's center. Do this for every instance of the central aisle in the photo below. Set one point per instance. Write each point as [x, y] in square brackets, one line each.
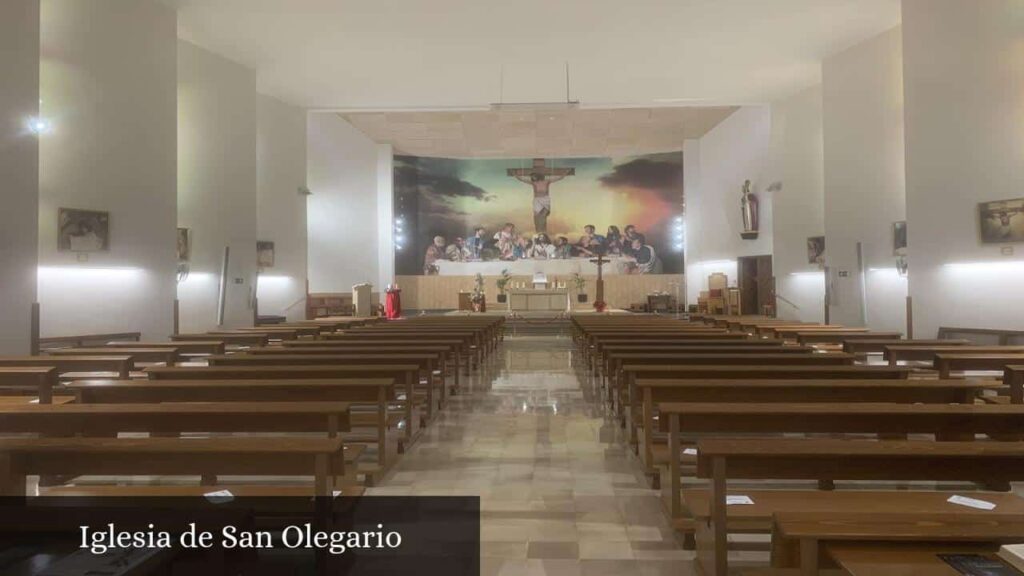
[559, 493]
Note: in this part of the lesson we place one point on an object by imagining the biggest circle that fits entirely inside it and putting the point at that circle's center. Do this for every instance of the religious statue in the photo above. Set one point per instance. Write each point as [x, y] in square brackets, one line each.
[748, 206]
[540, 178]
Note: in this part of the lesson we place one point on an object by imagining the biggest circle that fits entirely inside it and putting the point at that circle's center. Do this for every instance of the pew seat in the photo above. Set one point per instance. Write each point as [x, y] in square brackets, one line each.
[151, 491]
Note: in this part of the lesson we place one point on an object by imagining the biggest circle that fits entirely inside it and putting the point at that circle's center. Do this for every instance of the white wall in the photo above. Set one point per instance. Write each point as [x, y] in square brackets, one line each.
[281, 169]
[344, 233]
[217, 184]
[964, 83]
[19, 171]
[862, 99]
[798, 208]
[107, 83]
[734, 151]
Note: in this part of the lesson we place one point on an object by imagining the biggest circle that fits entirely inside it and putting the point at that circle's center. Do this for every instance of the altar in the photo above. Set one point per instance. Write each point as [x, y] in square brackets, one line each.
[553, 300]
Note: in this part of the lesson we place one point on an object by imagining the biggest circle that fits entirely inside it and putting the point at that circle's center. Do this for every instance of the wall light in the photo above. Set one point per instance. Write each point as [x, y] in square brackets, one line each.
[89, 272]
[39, 125]
[976, 267]
[808, 274]
[275, 279]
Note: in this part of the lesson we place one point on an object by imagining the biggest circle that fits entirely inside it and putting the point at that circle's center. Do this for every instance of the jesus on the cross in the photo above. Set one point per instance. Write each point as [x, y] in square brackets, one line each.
[540, 177]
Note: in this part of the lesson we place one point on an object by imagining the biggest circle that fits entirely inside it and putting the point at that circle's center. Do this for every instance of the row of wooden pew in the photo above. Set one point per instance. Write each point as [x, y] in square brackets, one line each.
[708, 403]
[322, 395]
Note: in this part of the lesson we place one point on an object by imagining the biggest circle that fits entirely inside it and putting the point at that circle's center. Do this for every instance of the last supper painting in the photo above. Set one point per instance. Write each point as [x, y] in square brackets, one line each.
[464, 216]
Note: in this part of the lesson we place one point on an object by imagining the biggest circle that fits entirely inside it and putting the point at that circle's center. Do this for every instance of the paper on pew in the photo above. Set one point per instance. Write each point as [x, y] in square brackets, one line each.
[738, 499]
[971, 502]
[220, 496]
[690, 451]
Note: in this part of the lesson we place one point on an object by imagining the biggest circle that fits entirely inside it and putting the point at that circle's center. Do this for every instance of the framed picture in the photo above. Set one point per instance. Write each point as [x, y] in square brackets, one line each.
[899, 238]
[816, 250]
[82, 230]
[1002, 221]
[265, 254]
[184, 244]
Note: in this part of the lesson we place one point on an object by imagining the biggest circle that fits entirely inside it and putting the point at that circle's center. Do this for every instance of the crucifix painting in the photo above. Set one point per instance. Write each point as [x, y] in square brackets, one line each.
[540, 176]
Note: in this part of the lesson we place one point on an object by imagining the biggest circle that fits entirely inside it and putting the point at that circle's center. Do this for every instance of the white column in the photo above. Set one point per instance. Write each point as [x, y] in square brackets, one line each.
[19, 171]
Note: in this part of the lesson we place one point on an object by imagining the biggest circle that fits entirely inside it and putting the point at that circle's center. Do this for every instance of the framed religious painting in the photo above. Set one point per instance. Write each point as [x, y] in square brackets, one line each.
[1002, 221]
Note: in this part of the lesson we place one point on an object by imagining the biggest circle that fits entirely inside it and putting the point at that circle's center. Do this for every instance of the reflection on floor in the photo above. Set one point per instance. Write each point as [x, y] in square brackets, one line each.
[559, 493]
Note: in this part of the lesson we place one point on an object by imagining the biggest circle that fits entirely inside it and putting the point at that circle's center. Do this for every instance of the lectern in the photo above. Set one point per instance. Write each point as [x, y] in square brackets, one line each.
[361, 305]
[540, 281]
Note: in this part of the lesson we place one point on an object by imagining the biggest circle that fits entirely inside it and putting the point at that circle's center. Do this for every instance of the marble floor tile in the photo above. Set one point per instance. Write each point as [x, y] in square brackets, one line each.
[560, 494]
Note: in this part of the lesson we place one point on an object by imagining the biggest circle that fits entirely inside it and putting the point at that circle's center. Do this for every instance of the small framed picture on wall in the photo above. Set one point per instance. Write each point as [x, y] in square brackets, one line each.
[83, 230]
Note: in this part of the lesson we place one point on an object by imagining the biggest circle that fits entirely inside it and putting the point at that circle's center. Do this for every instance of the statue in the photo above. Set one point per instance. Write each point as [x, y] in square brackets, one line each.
[748, 206]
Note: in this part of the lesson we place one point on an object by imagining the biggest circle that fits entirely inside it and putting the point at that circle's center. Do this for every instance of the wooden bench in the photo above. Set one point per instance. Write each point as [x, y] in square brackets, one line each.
[185, 347]
[85, 339]
[166, 355]
[321, 458]
[1013, 376]
[946, 363]
[467, 340]
[1004, 336]
[789, 459]
[38, 381]
[900, 558]
[234, 338]
[838, 337]
[657, 391]
[327, 418]
[377, 392]
[618, 375]
[426, 363]
[800, 538]
[629, 398]
[898, 353]
[400, 373]
[120, 364]
[945, 421]
[877, 346]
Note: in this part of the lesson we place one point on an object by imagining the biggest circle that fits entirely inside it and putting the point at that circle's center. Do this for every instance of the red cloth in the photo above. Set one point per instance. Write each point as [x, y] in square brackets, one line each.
[393, 304]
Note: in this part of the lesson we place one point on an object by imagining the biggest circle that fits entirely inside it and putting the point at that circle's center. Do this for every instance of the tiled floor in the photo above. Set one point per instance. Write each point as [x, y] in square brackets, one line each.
[559, 494]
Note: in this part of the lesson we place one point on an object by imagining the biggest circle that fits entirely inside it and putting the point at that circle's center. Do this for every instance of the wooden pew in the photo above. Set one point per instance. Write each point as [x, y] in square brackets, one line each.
[327, 418]
[1004, 336]
[50, 342]
[185, 347]
[426, 363]
[896, 353]
[802, 538]
[450, 356]
[466, 340]
[1013, 376]
[801, 357]
[400, 373]
[838, 337]
[654, 392]
[38, 381]
[790, 332]
[603, 352]
[234, 338]
[900, 559]
[633, 372]
[877, 346]
[945, 363]
[945, 421]
[322, 458]
[371, 391]
[168, 355]
[120, 364]
[789, 459]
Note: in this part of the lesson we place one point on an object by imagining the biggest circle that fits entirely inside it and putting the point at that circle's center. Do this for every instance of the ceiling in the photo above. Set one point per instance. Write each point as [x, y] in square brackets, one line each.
[351, 55]
[533, 133]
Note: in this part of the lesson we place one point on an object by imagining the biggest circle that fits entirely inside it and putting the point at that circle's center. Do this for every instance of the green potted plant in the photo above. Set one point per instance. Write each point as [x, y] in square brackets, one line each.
[581, 284]
[502, 283]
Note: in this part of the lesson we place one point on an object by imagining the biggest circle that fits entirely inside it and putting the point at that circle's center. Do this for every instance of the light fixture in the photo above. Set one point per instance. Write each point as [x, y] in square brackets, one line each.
[995, 266]
[39, 125]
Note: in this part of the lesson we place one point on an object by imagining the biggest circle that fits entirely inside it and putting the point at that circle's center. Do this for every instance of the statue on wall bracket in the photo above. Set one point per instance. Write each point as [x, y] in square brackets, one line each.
[749, 206]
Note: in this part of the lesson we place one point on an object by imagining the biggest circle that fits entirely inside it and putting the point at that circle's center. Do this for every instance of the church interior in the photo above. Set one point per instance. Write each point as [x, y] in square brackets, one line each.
[710, 287]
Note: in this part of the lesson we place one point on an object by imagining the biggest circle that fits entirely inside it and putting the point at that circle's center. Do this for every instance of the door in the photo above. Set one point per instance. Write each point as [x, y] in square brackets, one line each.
[756, 283]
